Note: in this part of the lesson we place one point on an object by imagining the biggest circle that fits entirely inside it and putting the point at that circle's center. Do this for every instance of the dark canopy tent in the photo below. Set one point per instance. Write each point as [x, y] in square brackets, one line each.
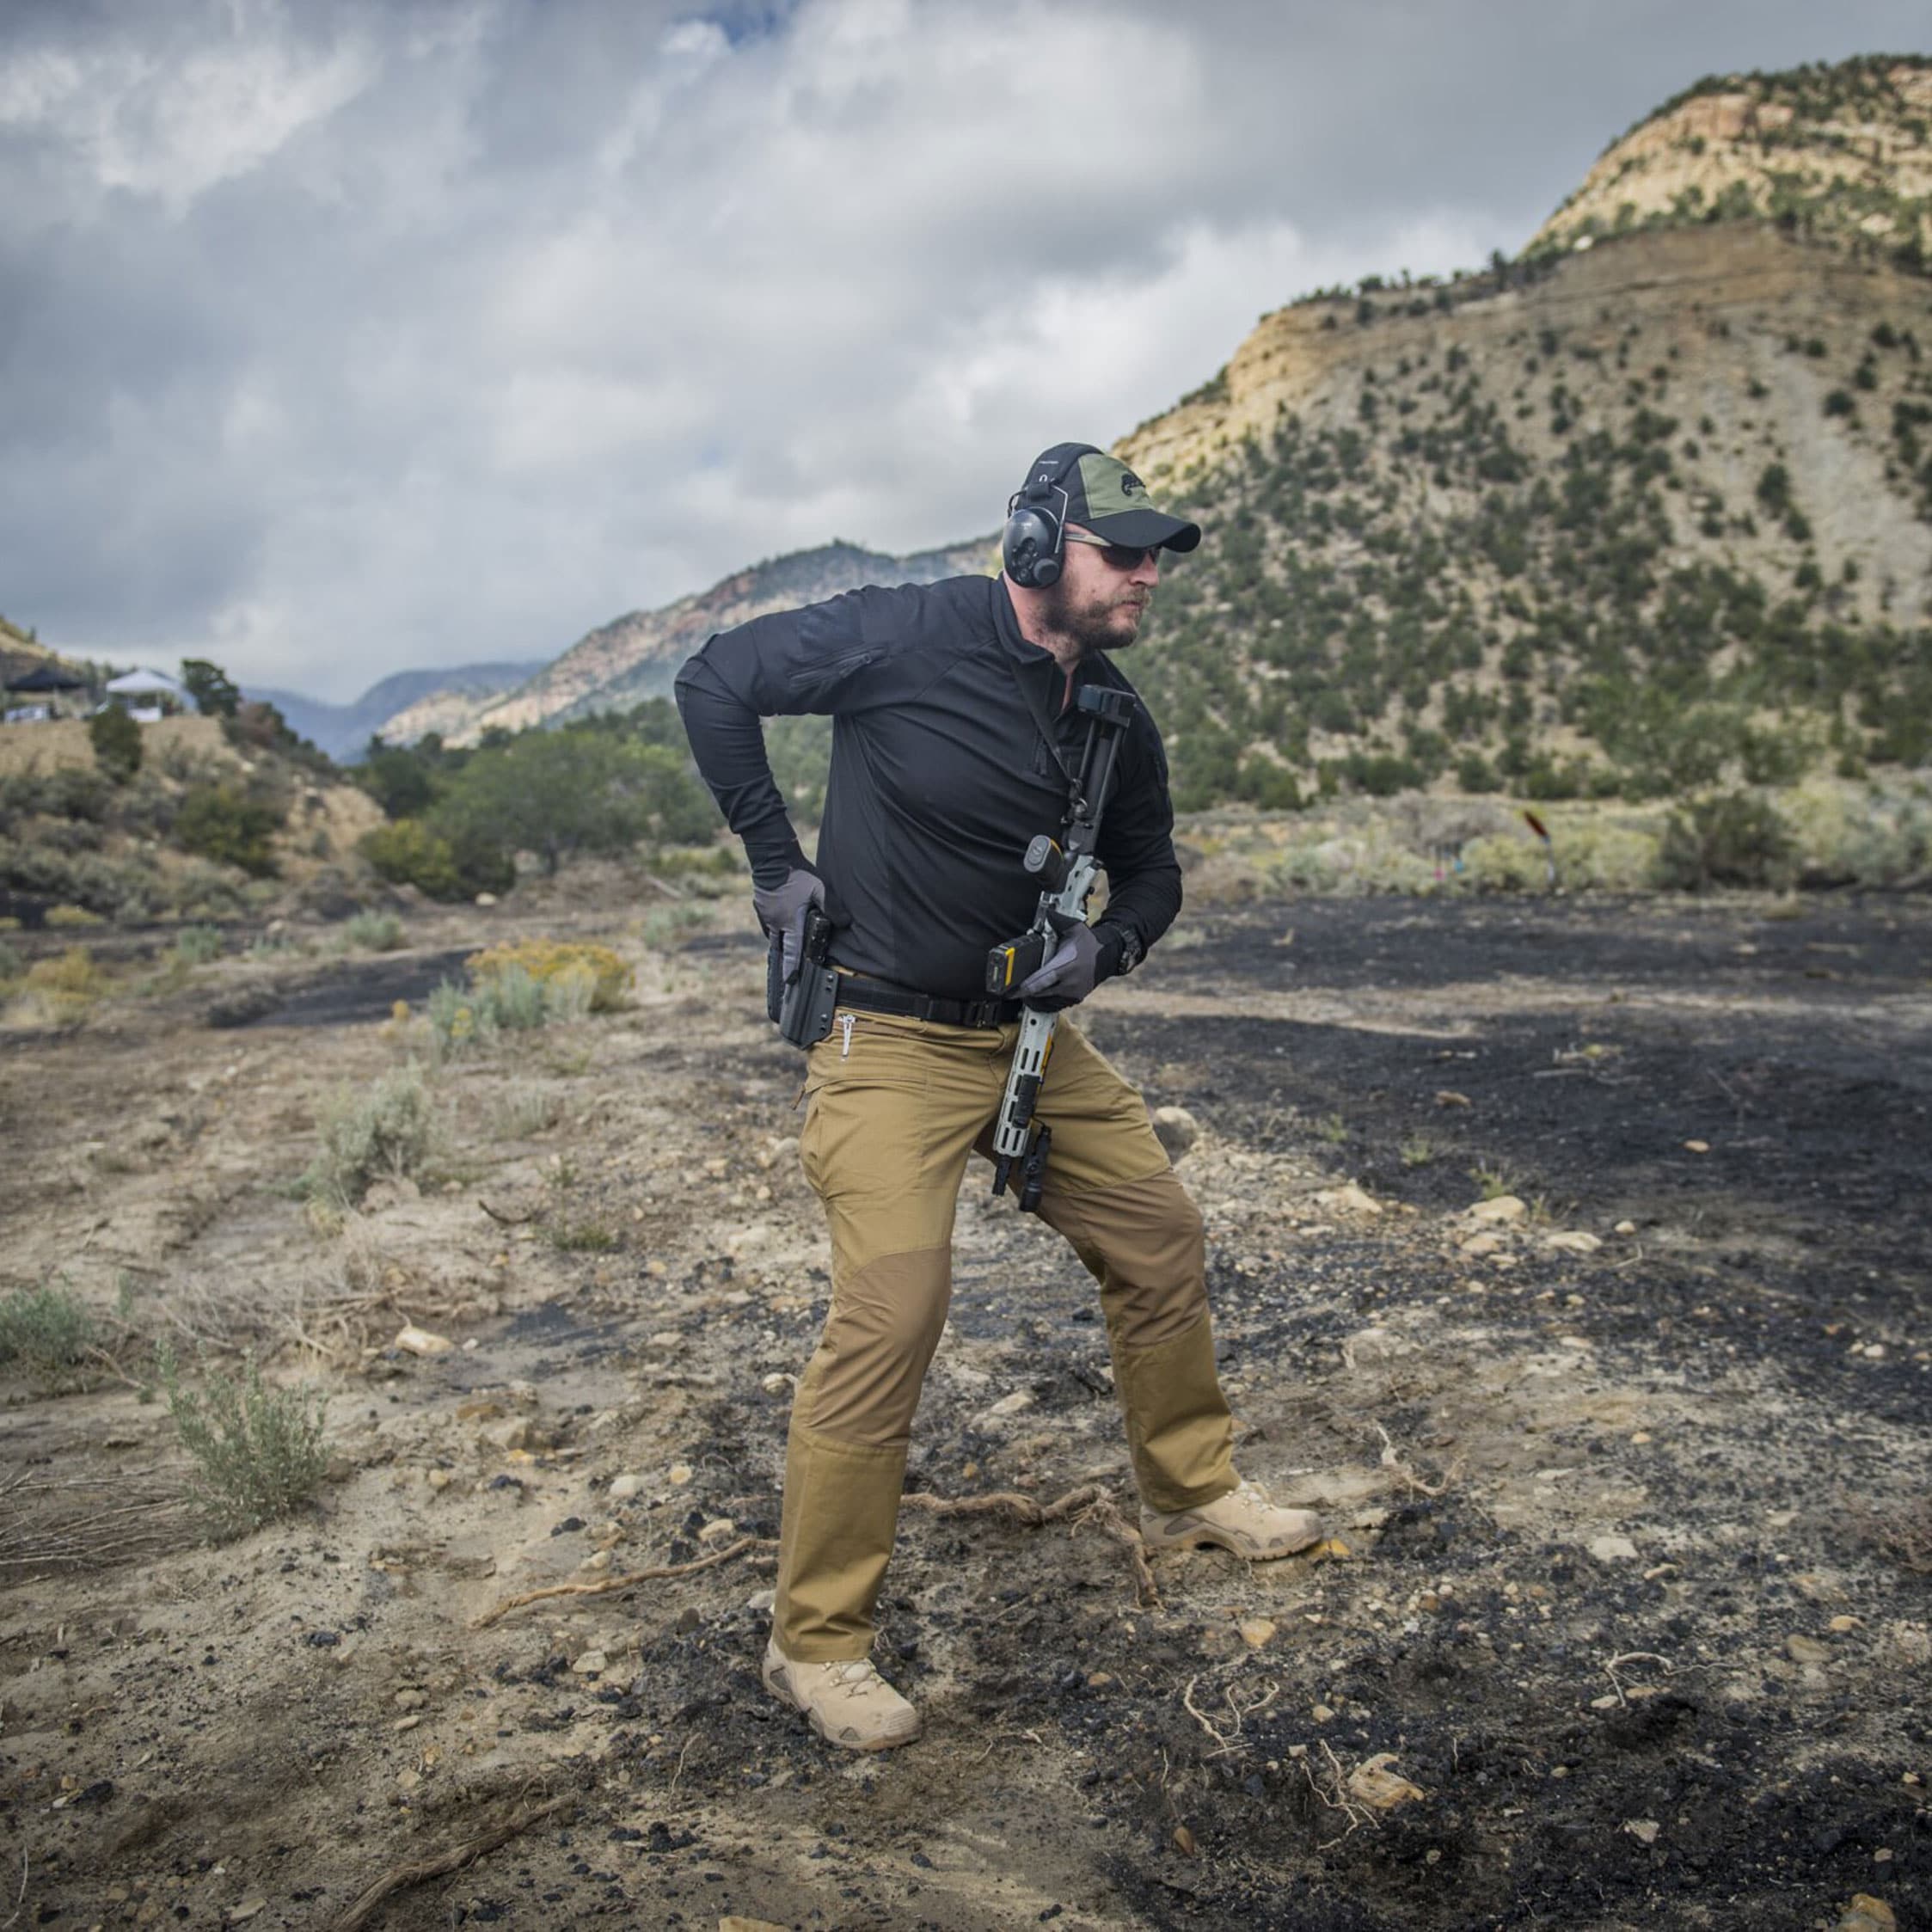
[46, 677]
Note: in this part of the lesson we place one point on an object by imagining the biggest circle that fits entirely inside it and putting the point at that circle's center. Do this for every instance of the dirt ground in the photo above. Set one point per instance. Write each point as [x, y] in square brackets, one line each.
[1572, 1256]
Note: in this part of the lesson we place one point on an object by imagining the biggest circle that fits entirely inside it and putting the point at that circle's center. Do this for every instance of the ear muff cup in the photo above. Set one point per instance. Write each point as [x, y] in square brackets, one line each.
[1030, 548]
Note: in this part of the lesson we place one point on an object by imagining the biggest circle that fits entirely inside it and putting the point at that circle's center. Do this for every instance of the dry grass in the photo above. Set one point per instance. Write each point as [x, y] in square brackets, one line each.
[51, 1524]
[58, 993]
[328, 1315]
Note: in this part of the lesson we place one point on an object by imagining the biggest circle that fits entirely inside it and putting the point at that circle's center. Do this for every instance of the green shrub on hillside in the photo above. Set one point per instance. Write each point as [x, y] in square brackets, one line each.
[411, 853]
[1729, 838]
[105, 888]
[221, 823]
[1504, 863]
[561, 793]
[373, 932]
[1891, 841]
[200, 890]
[66, 791]
[117, 743]
[1849, 834]
[1474, 773]
[401, 778]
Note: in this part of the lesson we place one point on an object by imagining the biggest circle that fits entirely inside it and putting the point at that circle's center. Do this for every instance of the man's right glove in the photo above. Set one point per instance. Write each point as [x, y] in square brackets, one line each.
[782, 909]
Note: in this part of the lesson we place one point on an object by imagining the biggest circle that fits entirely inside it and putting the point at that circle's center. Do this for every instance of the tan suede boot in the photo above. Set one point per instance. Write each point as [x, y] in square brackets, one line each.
[1244, 1521]
[848, 1703]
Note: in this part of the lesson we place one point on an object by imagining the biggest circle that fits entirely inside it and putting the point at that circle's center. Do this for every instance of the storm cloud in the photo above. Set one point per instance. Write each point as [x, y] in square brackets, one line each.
[339, 339]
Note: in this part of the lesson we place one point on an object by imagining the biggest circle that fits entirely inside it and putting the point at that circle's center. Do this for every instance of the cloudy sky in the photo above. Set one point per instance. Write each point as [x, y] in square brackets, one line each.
[338, 338]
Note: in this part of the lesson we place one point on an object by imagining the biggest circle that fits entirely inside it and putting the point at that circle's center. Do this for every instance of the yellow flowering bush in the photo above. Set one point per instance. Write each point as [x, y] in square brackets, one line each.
[547, 961]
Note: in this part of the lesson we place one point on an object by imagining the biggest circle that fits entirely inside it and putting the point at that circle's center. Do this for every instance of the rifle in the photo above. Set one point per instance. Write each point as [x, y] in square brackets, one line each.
[1066, 868]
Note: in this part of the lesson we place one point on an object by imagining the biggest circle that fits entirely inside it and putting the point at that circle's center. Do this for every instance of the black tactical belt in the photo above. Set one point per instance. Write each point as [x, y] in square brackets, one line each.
[873, 995]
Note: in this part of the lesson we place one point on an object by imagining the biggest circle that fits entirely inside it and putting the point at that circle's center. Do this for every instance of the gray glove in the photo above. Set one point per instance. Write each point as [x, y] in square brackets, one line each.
[782, 909]
[1071, 971]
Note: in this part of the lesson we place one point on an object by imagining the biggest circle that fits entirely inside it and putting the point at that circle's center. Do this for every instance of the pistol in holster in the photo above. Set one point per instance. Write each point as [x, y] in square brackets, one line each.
[801, 1006]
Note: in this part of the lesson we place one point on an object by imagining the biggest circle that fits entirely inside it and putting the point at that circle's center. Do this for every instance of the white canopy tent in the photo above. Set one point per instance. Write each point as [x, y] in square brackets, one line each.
[146, 683]
[146, 695]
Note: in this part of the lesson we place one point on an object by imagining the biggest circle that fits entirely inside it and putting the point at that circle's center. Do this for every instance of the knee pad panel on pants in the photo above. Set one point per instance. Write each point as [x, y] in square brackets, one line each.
[863, 1383]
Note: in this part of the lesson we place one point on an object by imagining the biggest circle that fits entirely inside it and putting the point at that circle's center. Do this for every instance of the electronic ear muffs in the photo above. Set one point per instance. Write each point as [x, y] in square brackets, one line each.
[1030, 548]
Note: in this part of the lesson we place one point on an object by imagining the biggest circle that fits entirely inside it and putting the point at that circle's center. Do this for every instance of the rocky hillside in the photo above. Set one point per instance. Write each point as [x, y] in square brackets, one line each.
[636, 656]
[215, 819]
[1622, 519]
[1840, 150]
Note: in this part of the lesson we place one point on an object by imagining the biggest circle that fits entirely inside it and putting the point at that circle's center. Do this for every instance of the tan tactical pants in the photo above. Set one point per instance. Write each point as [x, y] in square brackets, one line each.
[893, 1112]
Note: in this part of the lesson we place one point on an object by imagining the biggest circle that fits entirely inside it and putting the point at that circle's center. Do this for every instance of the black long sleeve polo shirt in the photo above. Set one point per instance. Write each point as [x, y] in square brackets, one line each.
[940, 776]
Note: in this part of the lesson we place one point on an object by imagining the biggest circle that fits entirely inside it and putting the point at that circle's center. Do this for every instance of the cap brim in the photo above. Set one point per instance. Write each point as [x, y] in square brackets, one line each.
[1141, 529]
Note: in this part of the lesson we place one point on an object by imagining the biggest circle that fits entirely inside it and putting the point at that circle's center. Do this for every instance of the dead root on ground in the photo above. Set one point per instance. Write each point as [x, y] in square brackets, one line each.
[604, 1585]
[1240, 1710]
[453, 1858]
[1088, 1504]
[1392, 1461]
[1332, 1788]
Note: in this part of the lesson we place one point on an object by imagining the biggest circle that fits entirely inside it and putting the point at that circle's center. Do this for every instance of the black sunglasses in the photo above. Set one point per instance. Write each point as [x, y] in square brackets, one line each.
[1119, 555]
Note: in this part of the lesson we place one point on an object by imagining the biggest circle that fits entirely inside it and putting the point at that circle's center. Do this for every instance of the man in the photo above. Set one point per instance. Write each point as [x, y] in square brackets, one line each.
[956, 733]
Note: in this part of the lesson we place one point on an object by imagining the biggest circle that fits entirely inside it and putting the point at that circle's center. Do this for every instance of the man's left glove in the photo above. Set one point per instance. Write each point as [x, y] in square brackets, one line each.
[782, 909]
[1073, 969]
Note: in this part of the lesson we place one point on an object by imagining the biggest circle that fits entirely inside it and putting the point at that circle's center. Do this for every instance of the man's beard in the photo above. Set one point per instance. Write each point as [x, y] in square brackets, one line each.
[1098, 623]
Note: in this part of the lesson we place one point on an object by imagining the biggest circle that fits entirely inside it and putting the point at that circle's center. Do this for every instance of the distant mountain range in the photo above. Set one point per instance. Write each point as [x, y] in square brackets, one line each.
[637, 656]
[619, 663]
[344, 730]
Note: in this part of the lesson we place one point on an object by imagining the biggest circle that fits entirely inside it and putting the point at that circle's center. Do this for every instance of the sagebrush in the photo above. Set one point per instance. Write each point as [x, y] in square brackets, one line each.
[373, 932]
[260, 1452]
[47, 1330]
[382, 1134]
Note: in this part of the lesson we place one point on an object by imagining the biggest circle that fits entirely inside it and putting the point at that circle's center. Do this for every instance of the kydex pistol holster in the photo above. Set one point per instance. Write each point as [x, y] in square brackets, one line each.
[801, 1006]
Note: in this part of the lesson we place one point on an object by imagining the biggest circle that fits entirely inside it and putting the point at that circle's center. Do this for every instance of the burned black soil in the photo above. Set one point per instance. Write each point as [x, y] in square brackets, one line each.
[1571, 1257]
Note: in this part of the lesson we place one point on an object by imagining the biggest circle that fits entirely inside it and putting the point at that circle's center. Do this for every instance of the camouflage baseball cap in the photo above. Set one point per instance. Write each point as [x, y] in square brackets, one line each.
[1104, 496]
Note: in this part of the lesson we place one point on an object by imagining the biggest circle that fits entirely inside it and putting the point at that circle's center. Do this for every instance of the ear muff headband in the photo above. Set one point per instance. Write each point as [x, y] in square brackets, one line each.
[1030, 548]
